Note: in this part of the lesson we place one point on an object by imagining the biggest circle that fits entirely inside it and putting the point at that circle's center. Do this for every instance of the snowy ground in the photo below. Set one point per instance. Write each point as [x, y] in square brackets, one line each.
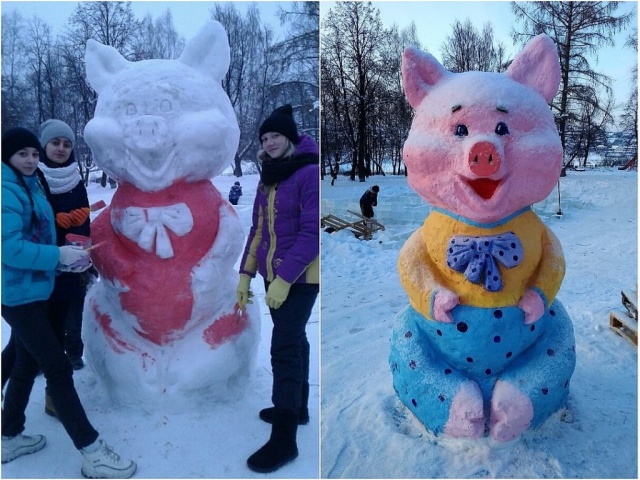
[367, 433]
[194, 444]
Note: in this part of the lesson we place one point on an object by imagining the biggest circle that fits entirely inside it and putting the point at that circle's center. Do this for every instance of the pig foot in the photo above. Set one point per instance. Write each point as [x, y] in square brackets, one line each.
[511, 412]
[466, 416]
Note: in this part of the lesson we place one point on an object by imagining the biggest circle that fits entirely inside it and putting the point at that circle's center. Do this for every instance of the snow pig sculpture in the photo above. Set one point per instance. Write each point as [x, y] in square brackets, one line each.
[484, 347]
[163, 329]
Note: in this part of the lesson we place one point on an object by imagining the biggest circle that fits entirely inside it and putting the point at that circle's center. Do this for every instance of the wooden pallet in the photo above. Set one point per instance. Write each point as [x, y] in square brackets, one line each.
[363, 228]
[371, 223]
[624, 325]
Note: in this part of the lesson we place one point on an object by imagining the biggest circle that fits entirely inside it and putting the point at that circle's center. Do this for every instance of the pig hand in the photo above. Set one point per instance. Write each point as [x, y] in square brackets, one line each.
[532, 305]
[444, 302]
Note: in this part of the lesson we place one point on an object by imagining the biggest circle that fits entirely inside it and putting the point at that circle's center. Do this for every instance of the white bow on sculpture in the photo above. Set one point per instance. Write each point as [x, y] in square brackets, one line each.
[147, 226]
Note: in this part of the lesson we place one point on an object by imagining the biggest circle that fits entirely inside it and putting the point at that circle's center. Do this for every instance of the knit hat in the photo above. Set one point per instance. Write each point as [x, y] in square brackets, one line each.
[16, 139]
[375, 188]
[55, 129]
[281, 121]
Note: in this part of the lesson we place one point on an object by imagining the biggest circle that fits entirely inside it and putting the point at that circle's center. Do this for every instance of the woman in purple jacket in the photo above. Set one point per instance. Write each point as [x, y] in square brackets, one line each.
[284, 246]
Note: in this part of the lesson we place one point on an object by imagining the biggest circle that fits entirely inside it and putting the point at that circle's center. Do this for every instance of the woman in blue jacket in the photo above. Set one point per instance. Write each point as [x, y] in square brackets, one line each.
[30, 260]
[284, 246]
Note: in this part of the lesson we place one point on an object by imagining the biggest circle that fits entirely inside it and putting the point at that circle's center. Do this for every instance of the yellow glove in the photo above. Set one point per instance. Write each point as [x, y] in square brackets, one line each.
[277, 293]
[243, 294]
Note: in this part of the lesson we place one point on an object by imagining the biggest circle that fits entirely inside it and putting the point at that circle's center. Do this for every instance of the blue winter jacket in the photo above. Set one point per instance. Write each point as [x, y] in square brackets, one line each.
[29, 252]
[235, 193]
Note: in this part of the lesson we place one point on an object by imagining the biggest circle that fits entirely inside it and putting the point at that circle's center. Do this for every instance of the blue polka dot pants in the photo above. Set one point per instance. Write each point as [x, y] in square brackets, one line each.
[431, 360]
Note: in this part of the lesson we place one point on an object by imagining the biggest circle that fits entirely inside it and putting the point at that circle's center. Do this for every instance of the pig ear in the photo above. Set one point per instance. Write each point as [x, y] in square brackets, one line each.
[420, 72]
[208, 52]
[538, 66]
[101, 63]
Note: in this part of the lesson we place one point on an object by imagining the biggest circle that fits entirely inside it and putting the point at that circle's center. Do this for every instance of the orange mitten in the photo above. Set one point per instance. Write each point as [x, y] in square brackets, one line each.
[63, 220]
[79, 216]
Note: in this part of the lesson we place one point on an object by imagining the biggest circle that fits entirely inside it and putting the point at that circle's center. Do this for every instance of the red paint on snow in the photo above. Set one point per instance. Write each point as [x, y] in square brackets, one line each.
[226, 327]
[114, 340]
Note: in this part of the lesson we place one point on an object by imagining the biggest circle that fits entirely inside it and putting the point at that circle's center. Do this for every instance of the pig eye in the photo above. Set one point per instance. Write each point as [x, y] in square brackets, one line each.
[502, 129]
[461, 130]
[131, 109]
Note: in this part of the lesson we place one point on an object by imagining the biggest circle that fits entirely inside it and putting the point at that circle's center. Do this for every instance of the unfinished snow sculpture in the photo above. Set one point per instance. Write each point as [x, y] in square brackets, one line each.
[484, 346]
[163, 329]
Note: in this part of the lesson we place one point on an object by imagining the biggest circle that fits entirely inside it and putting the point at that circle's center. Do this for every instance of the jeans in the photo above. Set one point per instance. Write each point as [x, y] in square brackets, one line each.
[37, 347]
[66, 318]
[8, 360]
[56, 311]
[73, 327]
[290, 347]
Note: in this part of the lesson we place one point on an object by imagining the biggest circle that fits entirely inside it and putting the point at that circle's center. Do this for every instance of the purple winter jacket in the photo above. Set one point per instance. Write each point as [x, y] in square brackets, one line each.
[284, 239]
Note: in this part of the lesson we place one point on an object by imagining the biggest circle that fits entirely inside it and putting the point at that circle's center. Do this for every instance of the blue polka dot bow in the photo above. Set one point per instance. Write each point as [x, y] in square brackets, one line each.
[476, 257]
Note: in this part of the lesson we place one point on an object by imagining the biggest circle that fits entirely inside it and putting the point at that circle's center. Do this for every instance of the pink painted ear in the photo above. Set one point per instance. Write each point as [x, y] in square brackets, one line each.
[538, 67]
[420, 72]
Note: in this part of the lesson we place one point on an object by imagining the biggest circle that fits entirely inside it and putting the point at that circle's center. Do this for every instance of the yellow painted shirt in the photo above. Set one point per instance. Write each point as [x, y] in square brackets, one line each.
[423, 269]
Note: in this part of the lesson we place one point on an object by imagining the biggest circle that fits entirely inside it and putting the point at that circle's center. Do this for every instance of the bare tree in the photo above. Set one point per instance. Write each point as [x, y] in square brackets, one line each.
[110, 23]
[157, 38]
[398, 114]
[351, 46]
[388, 116]
[14, 91]
[629, 117]
[300, 55]
[252, 69]
[590, 128]
[44, 70]
[468, 49]
[579, 29]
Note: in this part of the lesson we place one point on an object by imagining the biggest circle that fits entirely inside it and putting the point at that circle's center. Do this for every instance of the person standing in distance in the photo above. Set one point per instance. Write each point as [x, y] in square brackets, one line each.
[235, 193]
[368, 200]
[284, 246]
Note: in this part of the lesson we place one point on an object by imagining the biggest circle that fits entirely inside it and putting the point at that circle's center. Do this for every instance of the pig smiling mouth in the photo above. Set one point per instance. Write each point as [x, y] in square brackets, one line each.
[484, 187]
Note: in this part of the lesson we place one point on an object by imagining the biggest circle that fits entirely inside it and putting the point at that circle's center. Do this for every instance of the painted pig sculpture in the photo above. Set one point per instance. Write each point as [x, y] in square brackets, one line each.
[162, 327]
[484, 347]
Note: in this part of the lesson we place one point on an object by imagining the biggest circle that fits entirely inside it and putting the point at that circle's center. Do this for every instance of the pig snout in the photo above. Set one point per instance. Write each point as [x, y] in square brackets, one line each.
[148, 132]
[484, 159]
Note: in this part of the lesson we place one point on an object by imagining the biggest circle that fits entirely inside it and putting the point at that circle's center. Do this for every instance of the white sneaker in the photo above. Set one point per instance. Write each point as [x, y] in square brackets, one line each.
[14, 447]
[105, 463]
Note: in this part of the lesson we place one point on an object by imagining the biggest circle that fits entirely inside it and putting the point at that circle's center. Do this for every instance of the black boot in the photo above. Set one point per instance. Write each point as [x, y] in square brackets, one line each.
[266, 414]
[281, 447]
